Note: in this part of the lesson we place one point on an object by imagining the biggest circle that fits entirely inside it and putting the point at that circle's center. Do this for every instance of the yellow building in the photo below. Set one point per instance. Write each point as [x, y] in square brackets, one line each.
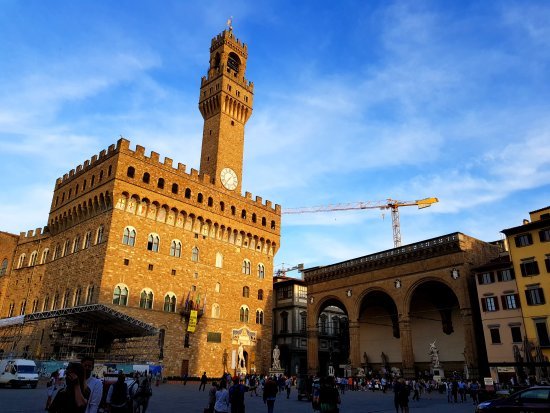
[529, 246]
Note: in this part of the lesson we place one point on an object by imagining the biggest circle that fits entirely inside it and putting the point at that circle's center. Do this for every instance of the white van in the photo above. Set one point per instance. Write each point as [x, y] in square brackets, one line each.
[18, 372]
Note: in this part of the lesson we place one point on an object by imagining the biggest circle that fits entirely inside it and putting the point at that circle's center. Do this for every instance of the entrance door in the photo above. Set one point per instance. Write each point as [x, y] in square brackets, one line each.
[184, 368]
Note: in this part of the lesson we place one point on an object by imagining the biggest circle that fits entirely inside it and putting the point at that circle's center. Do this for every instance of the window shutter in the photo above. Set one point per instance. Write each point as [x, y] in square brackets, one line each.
[499, 276]
[541, 293]
[518, 303]
[513, 273]
[480, 279]
[496, 304]
[536, 268]
[523, 272]
[484, 304]
[492, 276]
[516, 240]
[530, 238]
[504, 303]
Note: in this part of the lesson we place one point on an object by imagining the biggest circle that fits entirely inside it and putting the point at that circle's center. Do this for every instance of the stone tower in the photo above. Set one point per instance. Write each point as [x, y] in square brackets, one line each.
[225, 103]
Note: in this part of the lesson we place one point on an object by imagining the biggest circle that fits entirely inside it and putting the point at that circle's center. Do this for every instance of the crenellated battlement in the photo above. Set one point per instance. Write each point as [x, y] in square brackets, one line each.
[88, 164]
[227, 37]
[34, 235]
[123, 146]
[241, 81]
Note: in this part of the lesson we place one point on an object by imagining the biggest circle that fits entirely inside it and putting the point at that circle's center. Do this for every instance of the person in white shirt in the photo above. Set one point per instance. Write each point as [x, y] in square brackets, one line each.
[95, 385]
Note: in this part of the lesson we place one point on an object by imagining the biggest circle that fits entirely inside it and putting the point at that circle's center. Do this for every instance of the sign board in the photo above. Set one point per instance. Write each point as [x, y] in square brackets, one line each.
[489, 383]
[506, 369]
[192, 321]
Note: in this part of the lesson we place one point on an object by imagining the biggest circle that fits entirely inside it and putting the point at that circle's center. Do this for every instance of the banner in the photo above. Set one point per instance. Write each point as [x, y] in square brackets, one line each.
[192, 321]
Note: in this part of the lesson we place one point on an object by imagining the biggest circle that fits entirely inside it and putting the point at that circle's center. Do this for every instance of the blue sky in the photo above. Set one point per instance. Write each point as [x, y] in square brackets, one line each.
[354, 101]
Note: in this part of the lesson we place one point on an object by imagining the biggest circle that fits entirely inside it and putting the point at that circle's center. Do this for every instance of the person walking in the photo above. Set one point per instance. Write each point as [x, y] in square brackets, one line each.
[95, 385]
[53, 386]
[74, 397]
[403, 396]
[288, 386]
[236, 396]
[204, 380]
[222, 399]
[118, 395]
[270, 394]
[329, 397]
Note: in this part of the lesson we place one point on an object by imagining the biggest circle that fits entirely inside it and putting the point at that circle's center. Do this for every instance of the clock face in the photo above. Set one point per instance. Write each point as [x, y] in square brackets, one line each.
[229, 178]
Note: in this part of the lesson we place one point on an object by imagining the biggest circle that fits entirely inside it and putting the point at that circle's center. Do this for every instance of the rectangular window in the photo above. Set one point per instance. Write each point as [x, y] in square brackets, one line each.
[523, 240]
[489, 304]
[516, 334]
[284, 292]
[542, 333]
[510, 301]
[534, 296]
[544, 235]
[506, 275]
[302, 292]
[495, 335]
[486, 278]
[529, 268]
[547, 263]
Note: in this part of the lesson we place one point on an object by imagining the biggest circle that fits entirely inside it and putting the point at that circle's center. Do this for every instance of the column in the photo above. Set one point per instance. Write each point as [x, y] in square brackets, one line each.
[407, 354]
[470, 348]
[312, 351]
[354, 346]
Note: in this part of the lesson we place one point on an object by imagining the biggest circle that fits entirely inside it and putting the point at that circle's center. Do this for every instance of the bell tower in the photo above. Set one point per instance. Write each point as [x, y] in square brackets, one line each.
[225, 103]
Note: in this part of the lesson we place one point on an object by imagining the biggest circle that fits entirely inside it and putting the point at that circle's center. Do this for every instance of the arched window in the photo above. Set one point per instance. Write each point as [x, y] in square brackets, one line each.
[261, 271]
[195, 254]
[34, 306]
[77, 296]
[303, 321]
[188, 193]
[131, 172]
[76, 244]
[32, 259]
[67, 248]
[90, 294]
[87, 239]
[246, 292]
[175, 188]
[146, 177]
[170, 303]
[264, 222]
[210, 201]
[100, 176]
[219, 260]
[218, 287]
[10, 310]
[45, 306]
[100, 231]
[92, 181]
[215, 310]
[254, 218]
[120, 295]
[23, 307]
[4, 267]
[246, 267]
[233, 210]
[260, 294]
[146, 299]
[55, 302]
[259, 317]
[45, 254]
[57, 252]
[199, 198]
[66, 299]
[222, 206]
[160, 183]
[153, 241]
[175, 248]
[129, 236]
[110, 170]
[272, 224]
[21, 261]
[243, 314]
[243, 214]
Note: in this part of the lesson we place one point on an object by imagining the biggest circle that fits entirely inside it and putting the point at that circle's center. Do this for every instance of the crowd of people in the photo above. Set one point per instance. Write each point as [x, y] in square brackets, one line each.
[75, 389]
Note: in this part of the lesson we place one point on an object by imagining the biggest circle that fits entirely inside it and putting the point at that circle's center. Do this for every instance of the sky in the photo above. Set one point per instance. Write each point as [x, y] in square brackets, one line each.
[353, 101]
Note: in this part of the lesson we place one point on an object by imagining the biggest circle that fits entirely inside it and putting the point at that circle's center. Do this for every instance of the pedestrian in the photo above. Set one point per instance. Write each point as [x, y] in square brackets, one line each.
[118, 395]
[403, 396]
[95, 385]
[53, 386]
[236, 396]
[288, 386]
[222, 399]
[204, 380]
[329, 398]
[474, 391]
[416, 390]
[212, 397]
[396, 387]
[140, 398]
[74, 396]
[185, 376]
[270, 394]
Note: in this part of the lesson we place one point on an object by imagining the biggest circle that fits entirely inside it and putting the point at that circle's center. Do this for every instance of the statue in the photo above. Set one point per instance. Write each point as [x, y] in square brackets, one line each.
[241, 361]
[434, 354]
[276, 363]
[365, 358]
[224, 360]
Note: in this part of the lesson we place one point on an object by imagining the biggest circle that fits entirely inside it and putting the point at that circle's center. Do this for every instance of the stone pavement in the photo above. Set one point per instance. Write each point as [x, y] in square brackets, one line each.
[176, 398]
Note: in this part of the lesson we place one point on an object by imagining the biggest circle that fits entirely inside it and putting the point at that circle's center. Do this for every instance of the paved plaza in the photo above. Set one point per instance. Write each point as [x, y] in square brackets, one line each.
[176, 398]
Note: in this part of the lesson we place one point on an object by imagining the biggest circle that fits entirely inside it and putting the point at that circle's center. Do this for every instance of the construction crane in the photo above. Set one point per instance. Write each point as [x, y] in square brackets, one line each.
[390, 204]
[282, 272]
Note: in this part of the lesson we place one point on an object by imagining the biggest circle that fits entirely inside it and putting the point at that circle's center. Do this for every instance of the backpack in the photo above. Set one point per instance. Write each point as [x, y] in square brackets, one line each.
[144, 389]
[118, 398]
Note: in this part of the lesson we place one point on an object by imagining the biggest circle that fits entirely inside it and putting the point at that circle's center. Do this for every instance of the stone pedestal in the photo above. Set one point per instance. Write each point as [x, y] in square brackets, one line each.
[276, 372]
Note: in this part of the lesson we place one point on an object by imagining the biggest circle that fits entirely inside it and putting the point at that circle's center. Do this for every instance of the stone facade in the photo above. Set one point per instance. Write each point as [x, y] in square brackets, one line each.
[145, 236]
[399, 301]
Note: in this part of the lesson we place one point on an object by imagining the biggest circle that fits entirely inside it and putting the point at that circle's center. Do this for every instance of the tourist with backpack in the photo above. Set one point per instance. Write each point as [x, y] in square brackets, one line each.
[236, 396]
[222, 399]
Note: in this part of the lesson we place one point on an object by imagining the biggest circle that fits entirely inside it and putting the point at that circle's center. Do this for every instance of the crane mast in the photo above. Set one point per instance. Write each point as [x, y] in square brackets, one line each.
[386, 204]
